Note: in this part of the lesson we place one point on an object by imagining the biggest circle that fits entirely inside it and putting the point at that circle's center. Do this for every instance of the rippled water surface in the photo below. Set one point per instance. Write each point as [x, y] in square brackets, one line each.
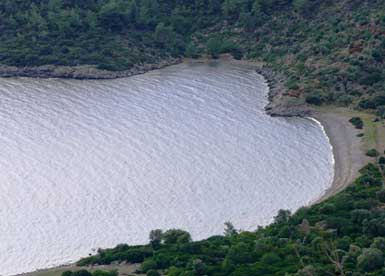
[88, 164]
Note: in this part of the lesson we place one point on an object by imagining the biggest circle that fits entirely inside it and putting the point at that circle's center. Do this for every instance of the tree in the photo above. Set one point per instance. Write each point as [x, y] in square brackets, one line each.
[308, 270]
[191, 51]
[282, 216]
[176, 236]
[381, 194]
[133, 13]
[180, 23]
[257, 7]
[229, 46]
[229, 229]
[112, 17]
[378, 243]
[214, 6]
[232, 8]
[336, 256]
[199, 267]
[370, 259]
[149, 13]
[214, 47]
[156, 237]
[300, 5]
[164, 34]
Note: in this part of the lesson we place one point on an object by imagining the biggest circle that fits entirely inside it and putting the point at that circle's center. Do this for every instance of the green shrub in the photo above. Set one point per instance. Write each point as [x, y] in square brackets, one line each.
[153, 272]
[381, 160]
[315, 99]
[105, 273]
[367, 104]
[81, 272]
[191, 51]
[148, 265]
[372, 153]
[214, 47]
[357, 122]
[229, 46]
[379, 100]
[236, 53]
[344, 100]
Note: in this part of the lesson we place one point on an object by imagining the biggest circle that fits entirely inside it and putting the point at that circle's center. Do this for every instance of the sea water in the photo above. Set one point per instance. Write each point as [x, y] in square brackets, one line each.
[92, 163]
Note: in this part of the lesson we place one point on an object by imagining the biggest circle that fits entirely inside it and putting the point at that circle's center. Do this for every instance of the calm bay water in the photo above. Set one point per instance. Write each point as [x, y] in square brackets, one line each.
[88, 164]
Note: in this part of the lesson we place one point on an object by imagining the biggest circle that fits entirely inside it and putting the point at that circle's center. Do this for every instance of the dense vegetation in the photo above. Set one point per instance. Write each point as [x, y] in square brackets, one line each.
[344, 235]
[331, 51]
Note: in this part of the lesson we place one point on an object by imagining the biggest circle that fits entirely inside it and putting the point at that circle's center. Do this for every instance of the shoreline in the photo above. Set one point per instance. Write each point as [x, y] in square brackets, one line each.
[347, 148]
[348, 153]
[81, 72]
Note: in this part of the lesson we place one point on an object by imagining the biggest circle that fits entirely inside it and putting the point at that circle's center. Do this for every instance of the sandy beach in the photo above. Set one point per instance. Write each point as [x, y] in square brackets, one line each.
[348, 149]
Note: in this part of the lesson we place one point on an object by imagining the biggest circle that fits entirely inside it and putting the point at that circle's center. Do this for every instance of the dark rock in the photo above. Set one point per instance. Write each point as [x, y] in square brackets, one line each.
[278, 104]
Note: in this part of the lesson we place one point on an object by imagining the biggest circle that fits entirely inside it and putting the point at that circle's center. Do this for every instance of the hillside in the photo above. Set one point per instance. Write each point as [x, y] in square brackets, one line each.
[330, 51]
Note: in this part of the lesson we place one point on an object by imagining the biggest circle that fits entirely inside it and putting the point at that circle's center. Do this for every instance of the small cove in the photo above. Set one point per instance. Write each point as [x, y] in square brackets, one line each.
[89, 164]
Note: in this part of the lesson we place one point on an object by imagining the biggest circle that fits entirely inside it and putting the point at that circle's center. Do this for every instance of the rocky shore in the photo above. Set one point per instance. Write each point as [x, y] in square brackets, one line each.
[279, 103]
[82, 71]
[348, 150]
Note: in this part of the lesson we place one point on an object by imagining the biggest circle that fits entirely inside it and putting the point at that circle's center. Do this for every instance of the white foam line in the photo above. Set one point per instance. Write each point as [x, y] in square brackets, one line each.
[331, 147]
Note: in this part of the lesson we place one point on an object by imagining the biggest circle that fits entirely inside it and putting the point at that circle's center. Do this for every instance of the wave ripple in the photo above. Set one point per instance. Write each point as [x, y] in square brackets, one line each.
[88, 164]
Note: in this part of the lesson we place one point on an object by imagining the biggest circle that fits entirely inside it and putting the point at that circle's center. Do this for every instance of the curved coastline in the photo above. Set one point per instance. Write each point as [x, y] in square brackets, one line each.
[333, 154]
[348, 156]
[348, 150]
